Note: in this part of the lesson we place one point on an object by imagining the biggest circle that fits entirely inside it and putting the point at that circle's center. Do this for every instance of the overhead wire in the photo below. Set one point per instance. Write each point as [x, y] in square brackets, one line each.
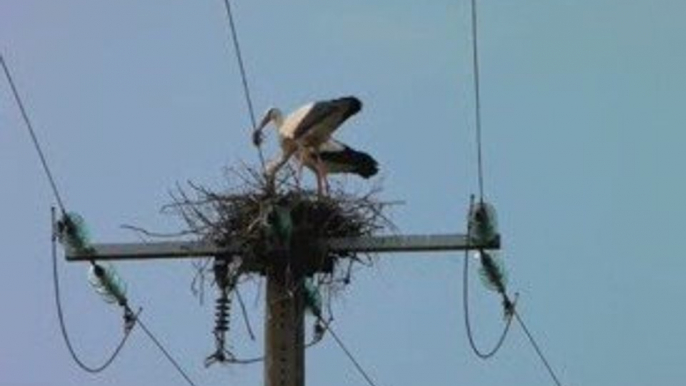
[480, 172]
[60, 202]
[117, 350]
[243, 72]
[537, 349]
[326, 326]
[62, 207]
[467, 320]
[165, 352]
[465, 307]
[352, 358]
[511, 313]
[262, 358]
[477, 99]
[60, 315]
[34, 138]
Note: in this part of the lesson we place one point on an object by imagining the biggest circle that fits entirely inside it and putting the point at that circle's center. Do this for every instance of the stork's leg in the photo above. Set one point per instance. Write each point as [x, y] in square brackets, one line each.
[325, 181]
[321, 171]
[316, 167]
[299, 174]
[302, 157]
[320, 186]
[274, 166]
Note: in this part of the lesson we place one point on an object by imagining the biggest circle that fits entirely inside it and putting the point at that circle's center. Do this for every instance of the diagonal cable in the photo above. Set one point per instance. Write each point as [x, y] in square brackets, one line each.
[241, 67]
[60, 315]
[538, 350]
[34, 138]
[118, 348]
[352, 358]
[467, 320]
[165, 352]
[465, 305]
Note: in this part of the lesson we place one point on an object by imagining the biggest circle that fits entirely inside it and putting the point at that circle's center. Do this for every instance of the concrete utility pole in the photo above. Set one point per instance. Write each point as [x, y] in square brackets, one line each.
[284, 328]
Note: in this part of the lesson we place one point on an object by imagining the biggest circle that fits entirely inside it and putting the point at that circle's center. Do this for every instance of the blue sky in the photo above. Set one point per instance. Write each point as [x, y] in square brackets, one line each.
[581, 104]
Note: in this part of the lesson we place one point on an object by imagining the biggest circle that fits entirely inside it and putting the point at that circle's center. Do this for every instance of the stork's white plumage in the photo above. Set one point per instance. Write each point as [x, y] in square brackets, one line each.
[305, 130]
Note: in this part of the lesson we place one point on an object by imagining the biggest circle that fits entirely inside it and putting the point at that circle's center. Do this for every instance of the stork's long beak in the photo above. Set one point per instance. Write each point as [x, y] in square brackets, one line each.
[265, 121]
[257, 133]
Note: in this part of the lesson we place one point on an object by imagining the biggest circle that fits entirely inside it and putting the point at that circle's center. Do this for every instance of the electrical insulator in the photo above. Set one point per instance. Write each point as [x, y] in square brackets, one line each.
[313, 299]
[492, 271]
[107, 283]
[222, 314]
[73, 233]
[483, 223]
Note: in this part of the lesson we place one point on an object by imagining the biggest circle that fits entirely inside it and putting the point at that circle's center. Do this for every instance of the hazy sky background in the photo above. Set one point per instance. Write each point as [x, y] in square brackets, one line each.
[583, 140]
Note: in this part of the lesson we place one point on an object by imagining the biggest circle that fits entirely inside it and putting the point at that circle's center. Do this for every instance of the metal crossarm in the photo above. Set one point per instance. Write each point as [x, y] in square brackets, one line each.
[154, 250]
[407, 243]
[194, 249]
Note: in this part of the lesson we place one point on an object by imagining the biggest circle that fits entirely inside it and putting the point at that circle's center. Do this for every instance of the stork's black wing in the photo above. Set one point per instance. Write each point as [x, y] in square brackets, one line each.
[339, 109]
[349, 160]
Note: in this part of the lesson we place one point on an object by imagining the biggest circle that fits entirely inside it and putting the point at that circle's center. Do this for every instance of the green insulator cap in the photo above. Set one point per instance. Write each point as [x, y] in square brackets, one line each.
[107, 283]
[483, 223]
[313, 299]
[492, 271]
[73, 233]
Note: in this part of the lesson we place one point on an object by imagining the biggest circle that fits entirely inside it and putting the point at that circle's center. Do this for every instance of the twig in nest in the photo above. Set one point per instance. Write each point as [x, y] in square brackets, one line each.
[244, 311]
[202, 269]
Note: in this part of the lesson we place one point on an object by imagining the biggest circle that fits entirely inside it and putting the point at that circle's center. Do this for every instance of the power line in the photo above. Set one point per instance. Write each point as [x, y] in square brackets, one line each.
[34, 138]
[350, 356]
[465, 305]
[118, 348]
[468, 325]
[60, 316]
[326, 325]
[241, 67]
[510, 313]
[166, 353]
[537, 349]
[477, 97]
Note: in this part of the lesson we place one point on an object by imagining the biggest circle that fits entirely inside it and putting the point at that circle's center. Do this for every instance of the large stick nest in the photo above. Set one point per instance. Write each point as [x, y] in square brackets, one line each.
[273, 222]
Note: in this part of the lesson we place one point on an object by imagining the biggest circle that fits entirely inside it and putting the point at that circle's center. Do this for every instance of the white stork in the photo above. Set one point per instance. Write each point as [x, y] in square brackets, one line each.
[305, 129]
[333, 157]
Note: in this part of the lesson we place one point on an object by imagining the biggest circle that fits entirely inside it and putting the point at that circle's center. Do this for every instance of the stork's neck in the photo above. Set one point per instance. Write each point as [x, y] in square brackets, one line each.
[277, 117]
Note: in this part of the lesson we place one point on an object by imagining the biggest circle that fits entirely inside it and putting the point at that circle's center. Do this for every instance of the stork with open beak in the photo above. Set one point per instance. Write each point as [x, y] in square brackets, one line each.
[304, 130]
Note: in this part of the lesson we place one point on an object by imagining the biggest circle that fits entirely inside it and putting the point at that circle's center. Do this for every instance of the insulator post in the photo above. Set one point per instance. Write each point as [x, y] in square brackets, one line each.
[72, 232]
[492, 272]
[107, 283]
[222, 312]
[483, 223]
[313, 299]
